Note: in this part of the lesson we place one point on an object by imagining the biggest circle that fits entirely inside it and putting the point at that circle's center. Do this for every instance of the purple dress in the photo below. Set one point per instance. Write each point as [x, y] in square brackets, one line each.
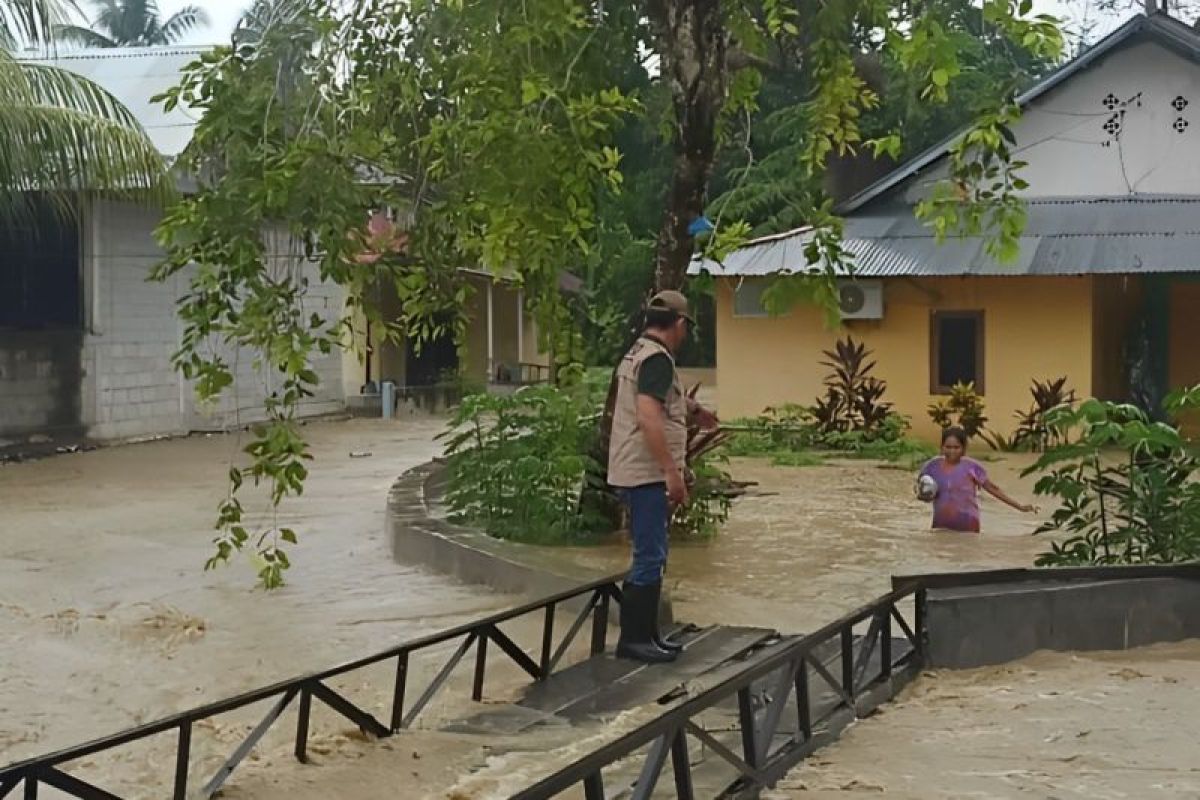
[956, 506]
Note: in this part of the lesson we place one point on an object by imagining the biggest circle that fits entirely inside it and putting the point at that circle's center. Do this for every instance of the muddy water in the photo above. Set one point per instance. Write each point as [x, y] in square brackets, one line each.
[108, 620]
[810, 543]
[1060, 725]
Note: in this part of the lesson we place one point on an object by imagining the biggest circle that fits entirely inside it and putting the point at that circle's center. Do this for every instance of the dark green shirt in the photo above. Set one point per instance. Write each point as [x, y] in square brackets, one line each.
[656, 376]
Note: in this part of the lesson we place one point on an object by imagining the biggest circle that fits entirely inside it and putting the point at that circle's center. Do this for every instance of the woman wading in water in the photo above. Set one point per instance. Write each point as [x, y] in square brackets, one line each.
[952, 481]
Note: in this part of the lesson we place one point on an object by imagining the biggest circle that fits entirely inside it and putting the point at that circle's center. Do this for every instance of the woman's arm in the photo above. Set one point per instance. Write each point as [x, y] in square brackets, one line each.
[996, 492]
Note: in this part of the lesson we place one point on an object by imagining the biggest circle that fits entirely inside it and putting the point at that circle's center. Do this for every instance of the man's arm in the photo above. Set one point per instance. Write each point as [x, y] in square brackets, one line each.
[650, 417]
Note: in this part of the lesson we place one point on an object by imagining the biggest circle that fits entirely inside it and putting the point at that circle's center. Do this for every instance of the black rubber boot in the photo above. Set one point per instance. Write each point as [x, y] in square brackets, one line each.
[655, 634]
[637, 616]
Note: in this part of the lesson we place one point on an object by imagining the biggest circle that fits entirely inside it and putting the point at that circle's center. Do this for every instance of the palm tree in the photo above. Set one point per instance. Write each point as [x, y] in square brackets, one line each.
[61, 134]
[133, 23]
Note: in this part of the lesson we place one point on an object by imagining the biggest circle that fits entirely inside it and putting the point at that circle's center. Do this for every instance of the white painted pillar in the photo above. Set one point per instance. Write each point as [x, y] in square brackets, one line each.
[520, 332]
[491, 338]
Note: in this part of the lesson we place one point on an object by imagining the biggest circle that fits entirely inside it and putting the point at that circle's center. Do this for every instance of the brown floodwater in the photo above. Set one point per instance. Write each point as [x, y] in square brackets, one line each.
[808, 544]
[108, 619]
[1053, 725]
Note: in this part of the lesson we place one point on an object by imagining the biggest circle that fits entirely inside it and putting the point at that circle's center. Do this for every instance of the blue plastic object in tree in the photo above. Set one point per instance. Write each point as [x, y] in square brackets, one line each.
[700, 225]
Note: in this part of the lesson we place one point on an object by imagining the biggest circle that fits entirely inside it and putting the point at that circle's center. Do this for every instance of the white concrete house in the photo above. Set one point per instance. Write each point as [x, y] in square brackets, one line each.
[85, 339]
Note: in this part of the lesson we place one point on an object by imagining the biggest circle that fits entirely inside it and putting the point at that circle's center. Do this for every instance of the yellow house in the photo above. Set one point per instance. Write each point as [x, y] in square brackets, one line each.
[1105, 289]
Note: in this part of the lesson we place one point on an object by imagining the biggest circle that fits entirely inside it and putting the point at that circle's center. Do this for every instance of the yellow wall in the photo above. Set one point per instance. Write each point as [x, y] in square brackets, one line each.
[1033, 328]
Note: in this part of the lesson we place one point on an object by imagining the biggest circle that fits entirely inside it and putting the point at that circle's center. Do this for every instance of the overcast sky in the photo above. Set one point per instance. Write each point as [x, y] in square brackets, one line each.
[225, 13]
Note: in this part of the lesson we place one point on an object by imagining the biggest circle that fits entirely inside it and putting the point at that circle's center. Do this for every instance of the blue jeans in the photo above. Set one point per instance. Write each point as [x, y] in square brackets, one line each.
[649, 517]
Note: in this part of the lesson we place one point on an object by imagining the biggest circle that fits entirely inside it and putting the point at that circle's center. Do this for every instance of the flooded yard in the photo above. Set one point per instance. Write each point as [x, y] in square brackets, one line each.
[1054, 725]
[807, 544]
[108, 619]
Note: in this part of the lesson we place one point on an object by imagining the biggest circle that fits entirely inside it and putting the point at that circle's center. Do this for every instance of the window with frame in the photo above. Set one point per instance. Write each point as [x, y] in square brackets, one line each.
[40, 270]
[956, 350]
[748, 297]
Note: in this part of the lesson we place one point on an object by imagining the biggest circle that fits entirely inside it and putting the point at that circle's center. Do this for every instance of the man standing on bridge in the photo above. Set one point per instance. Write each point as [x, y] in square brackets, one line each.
[647, 457]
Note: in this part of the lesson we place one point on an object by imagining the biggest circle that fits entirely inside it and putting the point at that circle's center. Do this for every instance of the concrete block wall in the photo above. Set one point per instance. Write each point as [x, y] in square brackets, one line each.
[132, 327]
[40, 374]
[130, 388]
[242, 403]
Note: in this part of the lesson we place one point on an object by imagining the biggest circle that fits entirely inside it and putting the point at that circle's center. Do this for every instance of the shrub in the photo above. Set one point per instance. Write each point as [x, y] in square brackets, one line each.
[1033, 431]
[1124, 486]
[516, 463]
[853, 399]
[963, 407]
[709, 504]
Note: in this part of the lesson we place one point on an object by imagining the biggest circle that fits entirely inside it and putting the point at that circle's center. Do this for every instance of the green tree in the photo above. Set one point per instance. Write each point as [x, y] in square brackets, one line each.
[495, 130]
[133, 23]
[62, 134]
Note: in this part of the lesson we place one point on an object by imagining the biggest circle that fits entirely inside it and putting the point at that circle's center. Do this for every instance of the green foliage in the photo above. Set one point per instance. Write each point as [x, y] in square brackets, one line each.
[709, 502]
[963, 408]
[1124, 484]
[133, 23]
[853, 400]
[1034, 432]
[497, 132]
[516, 464]
[490, 152]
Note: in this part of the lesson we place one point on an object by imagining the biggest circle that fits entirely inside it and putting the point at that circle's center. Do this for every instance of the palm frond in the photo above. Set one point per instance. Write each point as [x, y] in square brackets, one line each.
[29, 22]
[82, 36]
[181, 22]
[64, 134]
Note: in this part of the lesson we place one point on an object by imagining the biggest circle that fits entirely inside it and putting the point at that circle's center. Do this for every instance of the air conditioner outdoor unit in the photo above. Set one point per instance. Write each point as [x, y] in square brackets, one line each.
[860, 299]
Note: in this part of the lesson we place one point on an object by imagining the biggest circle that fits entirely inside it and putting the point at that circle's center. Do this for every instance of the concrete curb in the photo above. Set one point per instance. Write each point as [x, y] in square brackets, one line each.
[470, 555]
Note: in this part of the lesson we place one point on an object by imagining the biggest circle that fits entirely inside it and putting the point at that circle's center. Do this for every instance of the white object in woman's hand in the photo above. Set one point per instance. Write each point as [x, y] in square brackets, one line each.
[927, 488]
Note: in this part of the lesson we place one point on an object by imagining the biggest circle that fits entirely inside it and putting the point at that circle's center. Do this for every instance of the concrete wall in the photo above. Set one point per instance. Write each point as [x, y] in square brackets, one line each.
[995, 624]
[114, 379]
[1062, 138]
[40, 377]
[1033, 328]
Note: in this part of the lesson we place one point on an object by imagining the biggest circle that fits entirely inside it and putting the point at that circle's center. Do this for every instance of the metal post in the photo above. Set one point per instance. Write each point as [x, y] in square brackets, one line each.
[682, 767]
[31, 784]
[885, 644]
[480, 666]
[600, 623]
[547, 641]
[593, 787]
[848, 660]
[398, 694]
[803, 707]
[746, 721]
[919, 619]
[302, 726]
[182, 756]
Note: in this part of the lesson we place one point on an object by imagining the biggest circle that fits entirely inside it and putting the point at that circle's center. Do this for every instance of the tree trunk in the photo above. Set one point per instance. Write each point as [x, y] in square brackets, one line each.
[693, 45]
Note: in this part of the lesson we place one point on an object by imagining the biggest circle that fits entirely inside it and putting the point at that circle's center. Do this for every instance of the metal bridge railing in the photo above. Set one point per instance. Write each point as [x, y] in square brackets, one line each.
[599, 594]
[763, 758]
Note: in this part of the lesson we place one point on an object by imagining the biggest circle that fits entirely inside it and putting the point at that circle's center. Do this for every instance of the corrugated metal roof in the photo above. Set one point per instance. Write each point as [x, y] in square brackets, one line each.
[134, 75]
[1062, 237]
[1159, 27]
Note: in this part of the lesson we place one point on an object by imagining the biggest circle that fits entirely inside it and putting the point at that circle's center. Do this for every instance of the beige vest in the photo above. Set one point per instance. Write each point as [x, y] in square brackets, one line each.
[629, 460]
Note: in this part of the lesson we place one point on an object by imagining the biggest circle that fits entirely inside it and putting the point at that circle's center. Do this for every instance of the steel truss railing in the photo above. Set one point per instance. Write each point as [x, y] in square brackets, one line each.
[766, 751]
[596, 598]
